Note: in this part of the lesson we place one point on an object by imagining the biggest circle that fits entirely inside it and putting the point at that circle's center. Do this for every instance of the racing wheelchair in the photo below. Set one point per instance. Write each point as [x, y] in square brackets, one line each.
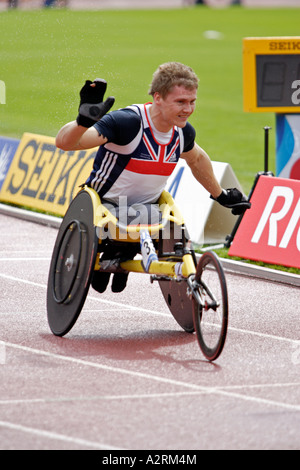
[195, 291]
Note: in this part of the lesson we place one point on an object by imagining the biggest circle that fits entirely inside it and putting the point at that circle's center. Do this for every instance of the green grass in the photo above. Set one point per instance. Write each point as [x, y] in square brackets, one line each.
[223, 253]
[47, 55]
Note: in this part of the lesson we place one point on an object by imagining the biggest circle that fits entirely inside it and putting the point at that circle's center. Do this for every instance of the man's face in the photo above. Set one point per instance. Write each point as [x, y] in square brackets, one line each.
[177, 106]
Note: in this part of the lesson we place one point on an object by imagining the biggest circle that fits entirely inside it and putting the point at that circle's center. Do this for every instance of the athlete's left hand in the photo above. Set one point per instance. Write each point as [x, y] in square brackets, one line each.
[233, 199]
[92, 108]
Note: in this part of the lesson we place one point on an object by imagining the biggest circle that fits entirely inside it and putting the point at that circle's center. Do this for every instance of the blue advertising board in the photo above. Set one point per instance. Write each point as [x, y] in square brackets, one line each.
[8, 149]
[288, 146]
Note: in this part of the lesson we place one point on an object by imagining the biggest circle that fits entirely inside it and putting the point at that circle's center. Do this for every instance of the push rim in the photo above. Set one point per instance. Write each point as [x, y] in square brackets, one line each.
[67, 262]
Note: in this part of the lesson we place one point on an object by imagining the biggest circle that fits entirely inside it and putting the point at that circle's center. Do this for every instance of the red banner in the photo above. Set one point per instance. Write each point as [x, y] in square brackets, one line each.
[270, 230]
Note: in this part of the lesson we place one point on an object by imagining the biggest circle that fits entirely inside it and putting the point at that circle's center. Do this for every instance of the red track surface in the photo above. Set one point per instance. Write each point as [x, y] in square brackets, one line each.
[127, 377]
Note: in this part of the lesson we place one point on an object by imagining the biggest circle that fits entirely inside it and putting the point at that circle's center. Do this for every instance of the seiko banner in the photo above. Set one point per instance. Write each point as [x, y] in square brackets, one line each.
[270, 230]
[43, 177]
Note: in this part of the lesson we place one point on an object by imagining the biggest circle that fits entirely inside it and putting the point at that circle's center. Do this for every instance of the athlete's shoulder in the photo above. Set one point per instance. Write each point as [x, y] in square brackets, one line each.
[125, 114]
[189, 135]
[119, 126]
[122, 117]
[189, 131]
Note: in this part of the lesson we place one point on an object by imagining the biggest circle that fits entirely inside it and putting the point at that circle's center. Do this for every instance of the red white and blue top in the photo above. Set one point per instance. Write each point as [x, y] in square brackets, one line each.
[137, 159]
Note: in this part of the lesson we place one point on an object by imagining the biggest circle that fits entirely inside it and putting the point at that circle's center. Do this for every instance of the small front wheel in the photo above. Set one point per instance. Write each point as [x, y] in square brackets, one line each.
[211, 314]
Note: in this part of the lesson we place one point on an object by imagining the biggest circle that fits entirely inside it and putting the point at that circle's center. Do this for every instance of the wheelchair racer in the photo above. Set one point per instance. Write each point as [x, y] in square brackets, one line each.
[140, 145]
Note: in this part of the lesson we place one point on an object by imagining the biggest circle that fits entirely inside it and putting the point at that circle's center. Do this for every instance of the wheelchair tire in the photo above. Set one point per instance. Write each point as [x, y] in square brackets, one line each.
[72, 265]
[211, 322]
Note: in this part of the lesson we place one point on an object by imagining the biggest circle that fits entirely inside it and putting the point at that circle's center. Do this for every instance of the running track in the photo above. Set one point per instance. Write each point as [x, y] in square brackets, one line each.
[127, 377]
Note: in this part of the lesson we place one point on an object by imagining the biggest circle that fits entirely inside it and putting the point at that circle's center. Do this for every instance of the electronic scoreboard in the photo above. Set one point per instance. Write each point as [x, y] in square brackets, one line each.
[271, 74]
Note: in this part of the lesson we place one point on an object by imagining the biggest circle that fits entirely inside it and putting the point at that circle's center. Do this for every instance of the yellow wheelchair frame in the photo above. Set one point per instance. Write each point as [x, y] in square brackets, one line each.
[104, 218]
[196, 294]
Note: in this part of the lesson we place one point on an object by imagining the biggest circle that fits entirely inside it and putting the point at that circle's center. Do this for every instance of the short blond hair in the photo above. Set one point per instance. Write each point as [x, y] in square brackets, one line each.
[171, 74]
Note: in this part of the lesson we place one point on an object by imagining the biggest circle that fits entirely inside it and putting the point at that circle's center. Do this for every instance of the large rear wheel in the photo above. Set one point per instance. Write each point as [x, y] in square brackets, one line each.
[72, 265]
[179, 303]
[175, 293]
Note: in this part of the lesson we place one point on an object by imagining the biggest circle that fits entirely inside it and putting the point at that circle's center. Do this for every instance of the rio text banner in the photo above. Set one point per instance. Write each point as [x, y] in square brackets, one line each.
[270, 230]
[43, 177]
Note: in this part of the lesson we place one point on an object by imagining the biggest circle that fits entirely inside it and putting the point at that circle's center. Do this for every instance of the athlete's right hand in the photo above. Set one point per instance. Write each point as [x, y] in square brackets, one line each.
[92, 107]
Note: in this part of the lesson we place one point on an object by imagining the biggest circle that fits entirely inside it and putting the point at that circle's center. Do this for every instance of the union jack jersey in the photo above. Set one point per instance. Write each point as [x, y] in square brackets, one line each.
[137, 160]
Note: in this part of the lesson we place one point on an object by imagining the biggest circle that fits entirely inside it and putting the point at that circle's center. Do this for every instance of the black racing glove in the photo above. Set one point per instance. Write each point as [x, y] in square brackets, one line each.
[233, 199]
[92, 107]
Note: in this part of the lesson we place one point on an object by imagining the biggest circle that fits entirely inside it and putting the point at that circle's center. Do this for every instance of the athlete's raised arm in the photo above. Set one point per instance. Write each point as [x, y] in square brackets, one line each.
[75, 137]
[80, 134]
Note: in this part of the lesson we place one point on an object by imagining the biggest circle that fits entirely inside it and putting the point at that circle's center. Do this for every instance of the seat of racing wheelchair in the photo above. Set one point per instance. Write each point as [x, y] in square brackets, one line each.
[125, 219]
[124, 223]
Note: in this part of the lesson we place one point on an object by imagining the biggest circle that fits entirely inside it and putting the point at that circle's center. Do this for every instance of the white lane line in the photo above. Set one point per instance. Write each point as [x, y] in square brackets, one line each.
[24, 259]
[56, 436]
[118, 370]
[276, 385]
[264, 335]
[24, 281]
[27, 252]
[109, 302]
[153, 312]
[34, 401]
[130, 307]
[260, 401]
[138, 396]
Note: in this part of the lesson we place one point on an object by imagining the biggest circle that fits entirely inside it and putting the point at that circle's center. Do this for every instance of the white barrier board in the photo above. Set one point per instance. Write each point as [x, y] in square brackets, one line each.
[205, 219]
